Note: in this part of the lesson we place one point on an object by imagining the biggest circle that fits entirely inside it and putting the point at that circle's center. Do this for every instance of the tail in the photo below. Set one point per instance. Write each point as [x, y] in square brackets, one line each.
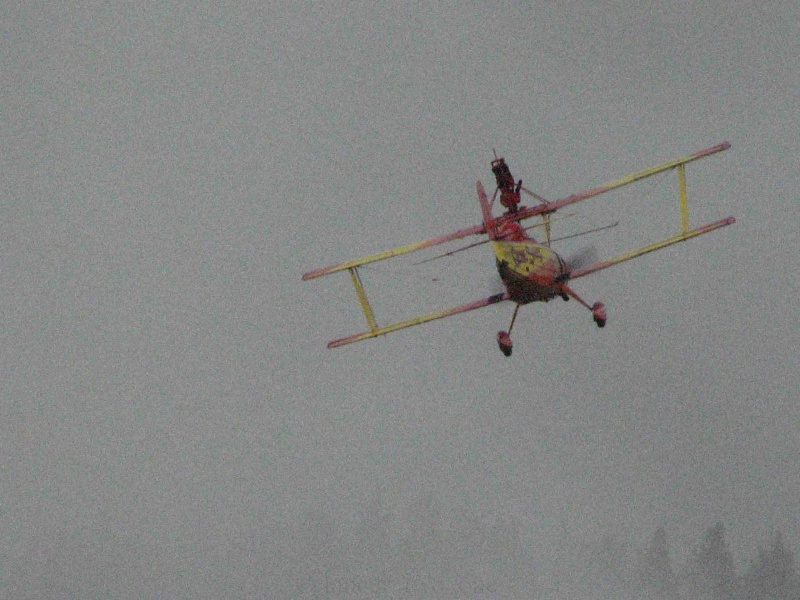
[488, 220]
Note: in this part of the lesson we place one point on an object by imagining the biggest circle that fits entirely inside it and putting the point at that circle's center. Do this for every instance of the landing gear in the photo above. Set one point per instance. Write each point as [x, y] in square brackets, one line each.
[504, 337]
[505, 343]
[598, 308]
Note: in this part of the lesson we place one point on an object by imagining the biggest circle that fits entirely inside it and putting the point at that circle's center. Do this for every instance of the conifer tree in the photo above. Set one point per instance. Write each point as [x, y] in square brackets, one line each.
[655, 577]
[712, 573]
[772, 576]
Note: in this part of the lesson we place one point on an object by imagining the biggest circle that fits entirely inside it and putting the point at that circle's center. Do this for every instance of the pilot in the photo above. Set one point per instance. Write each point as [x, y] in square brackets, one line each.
[505, 181]
[509, 191]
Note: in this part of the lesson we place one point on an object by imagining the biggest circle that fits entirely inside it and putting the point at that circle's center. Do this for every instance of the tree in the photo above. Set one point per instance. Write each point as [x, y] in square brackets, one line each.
[772, 575]
[655, 577]
[712, 574]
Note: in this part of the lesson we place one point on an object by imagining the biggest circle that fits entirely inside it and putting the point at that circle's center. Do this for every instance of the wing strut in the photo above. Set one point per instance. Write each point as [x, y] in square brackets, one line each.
[362, 298]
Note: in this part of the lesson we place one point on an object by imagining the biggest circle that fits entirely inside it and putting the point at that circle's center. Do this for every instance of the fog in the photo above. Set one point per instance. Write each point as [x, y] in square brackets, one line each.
[174, 425]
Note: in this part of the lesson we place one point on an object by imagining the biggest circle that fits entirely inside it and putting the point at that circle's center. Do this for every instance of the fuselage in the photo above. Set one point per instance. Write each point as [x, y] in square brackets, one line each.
[530, 271]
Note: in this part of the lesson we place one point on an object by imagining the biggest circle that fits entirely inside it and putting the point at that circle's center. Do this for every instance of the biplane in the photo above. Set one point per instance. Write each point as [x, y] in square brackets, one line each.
[531, 271]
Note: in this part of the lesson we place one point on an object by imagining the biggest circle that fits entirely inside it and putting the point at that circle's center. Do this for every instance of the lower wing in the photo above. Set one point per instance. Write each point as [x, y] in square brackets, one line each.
[376, 331]
[681, 237]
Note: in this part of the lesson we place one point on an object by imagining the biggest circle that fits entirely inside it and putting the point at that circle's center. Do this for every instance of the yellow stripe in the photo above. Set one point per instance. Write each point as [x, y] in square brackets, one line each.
[682, 196]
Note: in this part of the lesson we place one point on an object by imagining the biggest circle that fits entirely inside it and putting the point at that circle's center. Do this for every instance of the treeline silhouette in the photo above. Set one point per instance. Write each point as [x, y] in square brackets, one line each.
[710, 573]
[426, 552]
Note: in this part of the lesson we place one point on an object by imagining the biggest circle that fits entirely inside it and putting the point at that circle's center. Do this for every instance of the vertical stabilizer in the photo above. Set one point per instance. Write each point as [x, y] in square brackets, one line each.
[488, 220]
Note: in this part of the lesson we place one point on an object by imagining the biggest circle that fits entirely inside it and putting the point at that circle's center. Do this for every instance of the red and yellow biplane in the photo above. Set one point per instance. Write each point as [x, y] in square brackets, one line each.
[530, 271]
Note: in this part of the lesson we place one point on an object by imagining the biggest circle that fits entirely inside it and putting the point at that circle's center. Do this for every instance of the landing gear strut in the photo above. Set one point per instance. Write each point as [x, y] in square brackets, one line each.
[504, 337]
[598, 308]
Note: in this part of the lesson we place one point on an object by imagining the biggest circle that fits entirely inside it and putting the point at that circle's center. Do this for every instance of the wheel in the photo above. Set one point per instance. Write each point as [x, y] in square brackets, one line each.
[599, 314]
[504, 342]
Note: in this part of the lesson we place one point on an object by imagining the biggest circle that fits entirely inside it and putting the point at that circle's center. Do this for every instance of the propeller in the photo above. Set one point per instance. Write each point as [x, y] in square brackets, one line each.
[582, 258]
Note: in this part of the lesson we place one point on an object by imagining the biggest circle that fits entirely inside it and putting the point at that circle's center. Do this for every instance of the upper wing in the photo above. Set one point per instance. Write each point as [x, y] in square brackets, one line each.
[617, 183]
[523, 213]
[396, 252]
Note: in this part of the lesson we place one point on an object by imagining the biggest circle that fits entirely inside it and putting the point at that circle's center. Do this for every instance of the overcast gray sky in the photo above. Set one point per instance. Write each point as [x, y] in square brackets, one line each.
[169, 174]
